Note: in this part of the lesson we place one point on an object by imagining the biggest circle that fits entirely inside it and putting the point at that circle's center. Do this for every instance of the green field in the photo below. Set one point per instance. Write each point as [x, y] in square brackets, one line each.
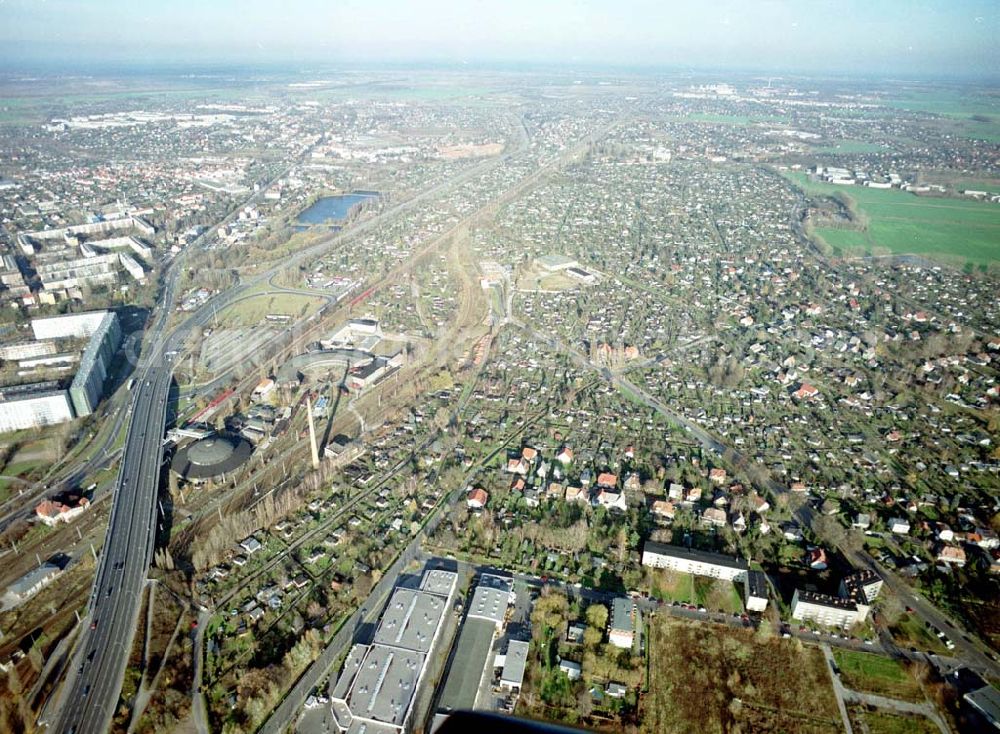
[852, 146]
[871, 673]
[958, 230]
[884, 722]
[726, 119]
[252, 311]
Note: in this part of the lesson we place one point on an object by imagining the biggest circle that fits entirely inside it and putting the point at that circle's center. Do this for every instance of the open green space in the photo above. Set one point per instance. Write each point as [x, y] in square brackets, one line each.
[872, 673]
[253, 311]
[909, 631]
[713, 594]
[957, 230]
[852, 146]
[714, 679]
[884, 722]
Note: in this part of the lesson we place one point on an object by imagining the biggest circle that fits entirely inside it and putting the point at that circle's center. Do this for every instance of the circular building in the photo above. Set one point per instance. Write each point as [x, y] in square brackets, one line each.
[211, 456]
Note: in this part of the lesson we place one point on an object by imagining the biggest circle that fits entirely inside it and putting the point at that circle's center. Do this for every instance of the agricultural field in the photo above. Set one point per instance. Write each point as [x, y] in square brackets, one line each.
[877, 674]
[898, 222]
[713, 679]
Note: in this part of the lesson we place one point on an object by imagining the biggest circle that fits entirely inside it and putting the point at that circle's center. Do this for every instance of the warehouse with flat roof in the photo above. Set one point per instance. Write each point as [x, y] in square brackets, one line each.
[375, 690]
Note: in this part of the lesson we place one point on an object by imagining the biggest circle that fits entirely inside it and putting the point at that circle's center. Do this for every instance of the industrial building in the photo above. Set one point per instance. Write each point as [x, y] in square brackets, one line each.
[211, 456]
[491, 598]
[699, 563]
[30, 584]
[512, 664]
[375, 690]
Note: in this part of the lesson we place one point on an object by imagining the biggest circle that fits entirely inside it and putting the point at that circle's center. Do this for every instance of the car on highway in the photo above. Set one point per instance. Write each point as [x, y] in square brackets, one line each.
[93, 625]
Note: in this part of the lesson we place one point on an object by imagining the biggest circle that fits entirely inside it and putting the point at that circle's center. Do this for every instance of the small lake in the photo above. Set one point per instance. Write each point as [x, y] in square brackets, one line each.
[333, 209]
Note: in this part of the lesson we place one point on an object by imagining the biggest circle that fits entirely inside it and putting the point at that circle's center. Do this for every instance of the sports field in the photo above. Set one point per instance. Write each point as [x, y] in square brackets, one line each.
[898, 222]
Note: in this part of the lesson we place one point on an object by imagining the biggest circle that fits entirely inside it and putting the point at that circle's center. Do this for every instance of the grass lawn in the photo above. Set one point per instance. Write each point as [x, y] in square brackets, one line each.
[709, 679]
[852, 146]
[871, 673]
[909, 631]
[883, 722]
[252, 311]
[960, 230]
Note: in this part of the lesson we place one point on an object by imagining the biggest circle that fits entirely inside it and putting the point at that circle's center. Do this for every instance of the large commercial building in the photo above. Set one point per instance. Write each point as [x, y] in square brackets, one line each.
[699, 563]
[374, 693]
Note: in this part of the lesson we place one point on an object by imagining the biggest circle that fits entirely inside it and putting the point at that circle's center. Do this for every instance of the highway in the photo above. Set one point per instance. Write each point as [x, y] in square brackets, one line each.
[95, 676]
[90, 692]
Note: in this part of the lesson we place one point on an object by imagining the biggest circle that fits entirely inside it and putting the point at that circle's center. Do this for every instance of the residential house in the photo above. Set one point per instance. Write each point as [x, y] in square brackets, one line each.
[952, 555]
[713, 516]
[477, 498]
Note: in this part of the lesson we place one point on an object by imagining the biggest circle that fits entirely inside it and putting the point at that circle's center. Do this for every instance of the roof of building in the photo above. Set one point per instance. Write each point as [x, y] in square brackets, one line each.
[825, 600]
[410, 620]
[491, 598]
[621, 614]
[514, 662]
[987, 700]
[694, 555]
[34, 577]
[384, 684]
[757, 584]
[438, 581]
[211, 456]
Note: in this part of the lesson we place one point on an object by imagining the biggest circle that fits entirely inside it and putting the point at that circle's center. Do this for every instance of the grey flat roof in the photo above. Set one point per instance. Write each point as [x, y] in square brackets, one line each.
[621, 614]
[437, 581]
[472, 650]
[384, 685]
[825, 600]
[513, 666]
[410, 620]
[491, 597]
[693, 555]
[987, 700]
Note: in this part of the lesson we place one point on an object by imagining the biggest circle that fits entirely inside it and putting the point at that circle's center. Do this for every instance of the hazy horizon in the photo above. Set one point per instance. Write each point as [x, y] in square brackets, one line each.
[910, 40]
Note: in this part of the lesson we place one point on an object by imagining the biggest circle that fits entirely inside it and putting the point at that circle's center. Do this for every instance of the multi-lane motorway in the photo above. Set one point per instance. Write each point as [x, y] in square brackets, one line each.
[93, 681]
[95, 676]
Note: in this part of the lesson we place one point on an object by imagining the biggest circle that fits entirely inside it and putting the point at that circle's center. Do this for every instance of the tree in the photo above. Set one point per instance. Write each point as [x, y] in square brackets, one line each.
[597, 616]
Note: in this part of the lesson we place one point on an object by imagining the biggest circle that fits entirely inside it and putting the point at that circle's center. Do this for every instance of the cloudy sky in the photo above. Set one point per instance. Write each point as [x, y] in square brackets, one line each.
[885, 37]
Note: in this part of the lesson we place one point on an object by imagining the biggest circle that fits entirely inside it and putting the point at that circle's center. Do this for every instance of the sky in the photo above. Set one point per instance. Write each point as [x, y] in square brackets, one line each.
[872, 37]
